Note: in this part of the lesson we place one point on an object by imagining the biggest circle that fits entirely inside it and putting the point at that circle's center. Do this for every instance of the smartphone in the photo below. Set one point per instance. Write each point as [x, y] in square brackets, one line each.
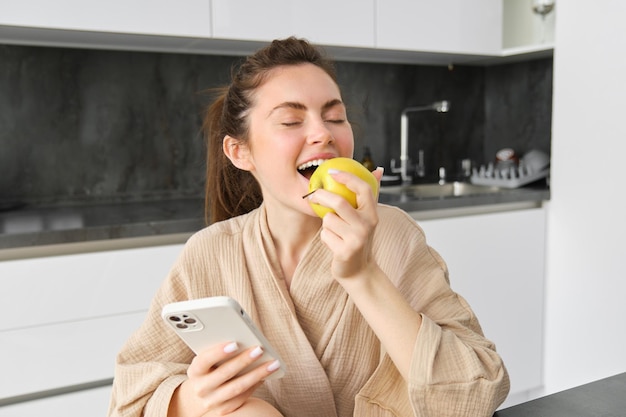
[205, 322]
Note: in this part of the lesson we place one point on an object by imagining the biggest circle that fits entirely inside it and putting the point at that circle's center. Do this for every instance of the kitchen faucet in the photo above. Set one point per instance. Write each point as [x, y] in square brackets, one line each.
[438, 106]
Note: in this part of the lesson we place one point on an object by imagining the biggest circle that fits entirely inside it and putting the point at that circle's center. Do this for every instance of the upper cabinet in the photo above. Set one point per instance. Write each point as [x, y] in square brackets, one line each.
[407, 31]
[448, 26]
[146, 17]
[329, 22]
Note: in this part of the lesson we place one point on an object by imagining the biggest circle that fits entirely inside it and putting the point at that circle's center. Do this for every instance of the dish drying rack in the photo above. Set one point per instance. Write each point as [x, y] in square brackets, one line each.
[513, 176]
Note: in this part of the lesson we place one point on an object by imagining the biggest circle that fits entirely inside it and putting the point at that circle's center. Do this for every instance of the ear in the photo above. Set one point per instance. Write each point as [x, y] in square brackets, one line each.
[238, 153]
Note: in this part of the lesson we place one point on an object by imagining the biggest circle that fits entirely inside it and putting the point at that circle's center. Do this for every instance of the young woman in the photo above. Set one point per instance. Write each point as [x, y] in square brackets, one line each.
[357, 304]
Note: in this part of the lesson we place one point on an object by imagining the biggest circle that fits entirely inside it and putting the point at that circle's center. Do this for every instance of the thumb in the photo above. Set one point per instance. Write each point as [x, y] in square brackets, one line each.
[378, 173]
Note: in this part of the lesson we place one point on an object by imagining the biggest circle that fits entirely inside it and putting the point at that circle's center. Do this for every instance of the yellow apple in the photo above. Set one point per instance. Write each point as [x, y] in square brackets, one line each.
[322, 179]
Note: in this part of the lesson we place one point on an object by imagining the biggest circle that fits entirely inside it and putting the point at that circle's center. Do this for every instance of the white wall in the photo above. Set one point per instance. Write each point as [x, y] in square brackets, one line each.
[585, 328]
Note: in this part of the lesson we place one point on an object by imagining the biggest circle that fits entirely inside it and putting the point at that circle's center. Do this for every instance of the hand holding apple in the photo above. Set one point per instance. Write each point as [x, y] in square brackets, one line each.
[322, 179]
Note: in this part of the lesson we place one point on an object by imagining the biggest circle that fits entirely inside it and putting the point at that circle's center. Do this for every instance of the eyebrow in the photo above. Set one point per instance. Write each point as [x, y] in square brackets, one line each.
[299, 106]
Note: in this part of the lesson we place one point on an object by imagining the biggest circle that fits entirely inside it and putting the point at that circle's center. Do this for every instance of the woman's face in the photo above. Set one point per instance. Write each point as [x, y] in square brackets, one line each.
[297, 119]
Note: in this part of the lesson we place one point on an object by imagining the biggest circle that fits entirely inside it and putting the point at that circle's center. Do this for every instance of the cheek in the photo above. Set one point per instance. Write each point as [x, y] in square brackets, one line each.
[274, 152]
[284, 148]
[345, 141]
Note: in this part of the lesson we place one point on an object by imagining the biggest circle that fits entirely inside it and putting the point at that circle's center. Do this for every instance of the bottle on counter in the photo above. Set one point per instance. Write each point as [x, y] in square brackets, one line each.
[367, 159]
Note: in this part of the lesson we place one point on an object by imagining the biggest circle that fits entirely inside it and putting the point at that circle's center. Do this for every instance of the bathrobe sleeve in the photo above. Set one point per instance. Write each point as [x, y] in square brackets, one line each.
[455, 370]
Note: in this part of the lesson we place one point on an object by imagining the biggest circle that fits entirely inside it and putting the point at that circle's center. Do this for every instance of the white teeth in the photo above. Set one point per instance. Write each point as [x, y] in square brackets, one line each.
[316, 162]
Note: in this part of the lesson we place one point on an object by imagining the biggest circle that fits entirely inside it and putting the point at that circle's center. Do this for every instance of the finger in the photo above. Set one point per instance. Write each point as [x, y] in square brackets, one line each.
[330, 200]
[234, 392]
[344, 238]
[242, 383]
[378, 173]
[234, 403]
[206, 360]
[233, 367]
[354, 183]
[221, 374]
[366, 197]
[219, 402]
[363, 192]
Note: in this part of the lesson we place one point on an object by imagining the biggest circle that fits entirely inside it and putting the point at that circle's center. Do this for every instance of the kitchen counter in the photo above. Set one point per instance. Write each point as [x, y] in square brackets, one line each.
[36, 230]
[504, 196]
[603, 398]
[56, 229]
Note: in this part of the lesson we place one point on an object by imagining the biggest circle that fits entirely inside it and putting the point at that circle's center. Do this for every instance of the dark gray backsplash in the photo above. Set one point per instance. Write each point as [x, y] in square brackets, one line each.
[518, 106]
[80, 124]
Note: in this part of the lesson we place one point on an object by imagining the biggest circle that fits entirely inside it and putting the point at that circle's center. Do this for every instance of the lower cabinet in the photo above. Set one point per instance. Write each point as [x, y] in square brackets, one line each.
[64, 320]
[496, 262]
[92, 402]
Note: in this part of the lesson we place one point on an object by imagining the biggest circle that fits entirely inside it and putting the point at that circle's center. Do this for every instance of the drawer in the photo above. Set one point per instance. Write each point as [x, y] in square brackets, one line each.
[75, 287]
[92, 402]
[38, 359]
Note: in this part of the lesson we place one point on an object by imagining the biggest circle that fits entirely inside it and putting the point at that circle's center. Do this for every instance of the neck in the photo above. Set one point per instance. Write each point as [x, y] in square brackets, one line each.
[292, 229]
[292, 233]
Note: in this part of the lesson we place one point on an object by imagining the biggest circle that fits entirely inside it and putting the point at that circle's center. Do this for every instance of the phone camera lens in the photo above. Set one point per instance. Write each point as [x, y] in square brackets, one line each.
[181, 325]
[190, 321]
[174, 318]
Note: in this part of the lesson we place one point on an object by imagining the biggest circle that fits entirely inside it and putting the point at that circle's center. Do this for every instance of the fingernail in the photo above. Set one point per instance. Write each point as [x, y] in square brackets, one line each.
[256, 352]
[333, 171]
[273, 366]
[231, 347]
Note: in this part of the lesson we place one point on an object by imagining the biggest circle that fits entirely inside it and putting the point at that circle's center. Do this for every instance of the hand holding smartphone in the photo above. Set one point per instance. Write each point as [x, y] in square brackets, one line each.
[208, 321]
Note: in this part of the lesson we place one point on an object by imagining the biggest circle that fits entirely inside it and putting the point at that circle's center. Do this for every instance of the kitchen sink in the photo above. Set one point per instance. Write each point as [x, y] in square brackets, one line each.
[435, 190]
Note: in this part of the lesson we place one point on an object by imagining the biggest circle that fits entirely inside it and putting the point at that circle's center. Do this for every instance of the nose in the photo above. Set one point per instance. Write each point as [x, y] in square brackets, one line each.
[319, 134]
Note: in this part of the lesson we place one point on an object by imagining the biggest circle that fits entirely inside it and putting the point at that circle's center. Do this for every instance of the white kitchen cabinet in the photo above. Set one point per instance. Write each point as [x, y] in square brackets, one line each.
[444, 26]
[496, 262]
[329, 22]
[190, 18]
[92, 402]
[66, 317]
[63, 355]
[399, 31]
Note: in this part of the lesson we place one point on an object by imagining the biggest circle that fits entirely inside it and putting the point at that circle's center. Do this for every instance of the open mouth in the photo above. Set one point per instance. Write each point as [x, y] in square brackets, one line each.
[308, 168]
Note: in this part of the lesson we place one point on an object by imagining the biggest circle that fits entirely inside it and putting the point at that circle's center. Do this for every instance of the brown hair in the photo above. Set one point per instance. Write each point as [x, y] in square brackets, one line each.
[230, 191]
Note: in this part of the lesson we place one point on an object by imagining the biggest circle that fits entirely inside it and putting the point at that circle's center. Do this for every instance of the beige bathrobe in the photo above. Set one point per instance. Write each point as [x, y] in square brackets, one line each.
[335, 366]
